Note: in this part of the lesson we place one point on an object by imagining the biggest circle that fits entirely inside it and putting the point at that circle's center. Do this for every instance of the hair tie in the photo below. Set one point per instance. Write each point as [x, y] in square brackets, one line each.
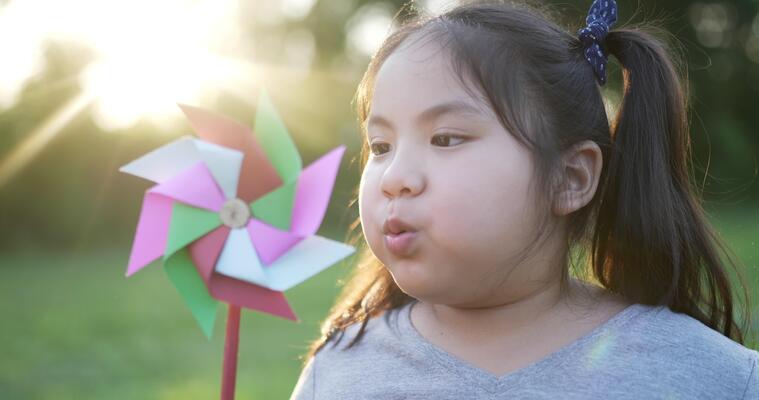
[601, 16]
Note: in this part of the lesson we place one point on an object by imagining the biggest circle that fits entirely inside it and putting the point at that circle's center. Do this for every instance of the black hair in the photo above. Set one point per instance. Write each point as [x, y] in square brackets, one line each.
[645, 233]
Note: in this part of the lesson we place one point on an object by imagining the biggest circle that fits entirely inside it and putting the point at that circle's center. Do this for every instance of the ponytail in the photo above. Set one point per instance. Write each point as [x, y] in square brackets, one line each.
[652, 241]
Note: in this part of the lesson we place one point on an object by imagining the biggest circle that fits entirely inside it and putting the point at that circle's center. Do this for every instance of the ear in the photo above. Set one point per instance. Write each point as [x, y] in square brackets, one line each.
[579, 172]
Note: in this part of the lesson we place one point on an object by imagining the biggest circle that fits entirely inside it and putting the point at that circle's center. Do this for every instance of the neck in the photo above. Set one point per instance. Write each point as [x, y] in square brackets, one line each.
[507, 318]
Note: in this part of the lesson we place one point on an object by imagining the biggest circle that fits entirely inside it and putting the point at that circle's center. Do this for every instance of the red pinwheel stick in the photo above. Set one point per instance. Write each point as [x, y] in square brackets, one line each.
[229, 369]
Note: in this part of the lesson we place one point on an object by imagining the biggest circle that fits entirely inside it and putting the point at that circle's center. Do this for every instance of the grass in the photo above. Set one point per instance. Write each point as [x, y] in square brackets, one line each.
[75, 328]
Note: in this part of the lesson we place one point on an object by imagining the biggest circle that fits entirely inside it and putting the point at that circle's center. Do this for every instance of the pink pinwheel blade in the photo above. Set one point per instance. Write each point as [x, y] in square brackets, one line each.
[194, 186]
[313, 192]
[270, 243]
[250, 296]
[152, 229]
[257, 175]
[205, 252]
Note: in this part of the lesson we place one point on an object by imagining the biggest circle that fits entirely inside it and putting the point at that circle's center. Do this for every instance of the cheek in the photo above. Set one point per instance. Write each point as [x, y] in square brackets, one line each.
[369, 205]
[484, 217]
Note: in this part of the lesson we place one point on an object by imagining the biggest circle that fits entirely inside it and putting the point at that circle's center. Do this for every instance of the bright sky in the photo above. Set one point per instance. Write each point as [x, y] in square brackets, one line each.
[151, 55]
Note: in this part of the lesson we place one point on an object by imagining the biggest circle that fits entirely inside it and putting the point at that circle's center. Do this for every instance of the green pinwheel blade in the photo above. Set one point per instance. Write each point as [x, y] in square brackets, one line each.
[276, 207]
[188, 224]
[272, 135]
[185, 277]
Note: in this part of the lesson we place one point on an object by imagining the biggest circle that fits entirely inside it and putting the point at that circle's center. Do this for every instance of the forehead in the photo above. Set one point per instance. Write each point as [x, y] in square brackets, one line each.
[416, 76]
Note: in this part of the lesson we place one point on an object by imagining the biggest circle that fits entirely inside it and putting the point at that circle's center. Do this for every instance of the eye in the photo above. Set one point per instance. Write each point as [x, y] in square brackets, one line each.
[442, 140]
[376, 147]
[446, 139]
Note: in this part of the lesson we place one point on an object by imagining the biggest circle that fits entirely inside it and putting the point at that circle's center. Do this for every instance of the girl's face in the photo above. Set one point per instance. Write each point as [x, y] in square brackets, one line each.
[441, 162]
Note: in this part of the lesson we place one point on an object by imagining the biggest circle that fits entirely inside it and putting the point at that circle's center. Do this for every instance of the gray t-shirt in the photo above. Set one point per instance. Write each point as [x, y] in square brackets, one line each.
[643, 352]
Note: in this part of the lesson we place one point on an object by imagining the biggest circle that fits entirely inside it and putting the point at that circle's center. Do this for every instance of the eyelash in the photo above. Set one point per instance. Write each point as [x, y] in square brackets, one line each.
[447, 135]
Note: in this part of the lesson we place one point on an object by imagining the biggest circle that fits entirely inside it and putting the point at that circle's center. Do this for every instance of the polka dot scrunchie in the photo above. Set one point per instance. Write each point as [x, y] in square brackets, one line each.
[601, 16]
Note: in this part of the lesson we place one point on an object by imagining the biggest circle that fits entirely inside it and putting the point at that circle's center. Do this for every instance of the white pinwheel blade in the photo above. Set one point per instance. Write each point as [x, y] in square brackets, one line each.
[239, 260]
[164, 162]
[224, 163]
[167, 161]
[304, 260]
[310, 256]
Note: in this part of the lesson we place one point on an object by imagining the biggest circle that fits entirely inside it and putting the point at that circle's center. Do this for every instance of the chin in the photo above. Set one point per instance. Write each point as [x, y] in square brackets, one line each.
[413, 279]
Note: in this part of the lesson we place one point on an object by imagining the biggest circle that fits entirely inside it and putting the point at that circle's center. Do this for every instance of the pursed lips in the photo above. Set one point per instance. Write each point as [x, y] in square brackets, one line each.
[395, 225]
[399, 235]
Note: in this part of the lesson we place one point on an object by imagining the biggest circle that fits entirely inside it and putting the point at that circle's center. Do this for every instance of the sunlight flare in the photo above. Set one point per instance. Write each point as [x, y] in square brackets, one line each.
[37, 139]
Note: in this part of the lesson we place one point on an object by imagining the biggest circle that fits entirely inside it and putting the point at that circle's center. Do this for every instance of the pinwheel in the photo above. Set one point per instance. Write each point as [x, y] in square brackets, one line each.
[234, 216]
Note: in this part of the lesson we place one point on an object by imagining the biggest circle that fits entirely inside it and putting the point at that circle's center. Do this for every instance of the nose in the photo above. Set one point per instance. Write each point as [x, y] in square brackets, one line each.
[404, 174]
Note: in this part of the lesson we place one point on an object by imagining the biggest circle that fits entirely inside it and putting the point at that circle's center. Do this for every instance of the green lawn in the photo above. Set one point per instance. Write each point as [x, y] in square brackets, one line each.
[75, 328]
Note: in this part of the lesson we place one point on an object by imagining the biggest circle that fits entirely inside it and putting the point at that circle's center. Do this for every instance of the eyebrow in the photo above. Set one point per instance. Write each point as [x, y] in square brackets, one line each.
[451, 107]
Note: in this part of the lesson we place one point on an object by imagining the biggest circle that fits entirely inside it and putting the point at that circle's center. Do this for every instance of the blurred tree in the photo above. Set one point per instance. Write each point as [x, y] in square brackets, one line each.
[314, 54]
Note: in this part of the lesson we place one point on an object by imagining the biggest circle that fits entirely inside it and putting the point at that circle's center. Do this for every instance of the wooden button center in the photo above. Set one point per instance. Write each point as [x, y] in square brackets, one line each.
[235, 213]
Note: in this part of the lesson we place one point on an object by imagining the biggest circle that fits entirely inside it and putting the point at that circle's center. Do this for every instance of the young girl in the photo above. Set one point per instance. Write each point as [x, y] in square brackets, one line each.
[492, 168]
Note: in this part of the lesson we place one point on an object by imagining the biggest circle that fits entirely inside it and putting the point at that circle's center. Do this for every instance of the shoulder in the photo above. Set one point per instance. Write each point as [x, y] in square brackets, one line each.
[363, 336]
[681, 331]
[676, 346]
[377, 338]
[348, 365]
